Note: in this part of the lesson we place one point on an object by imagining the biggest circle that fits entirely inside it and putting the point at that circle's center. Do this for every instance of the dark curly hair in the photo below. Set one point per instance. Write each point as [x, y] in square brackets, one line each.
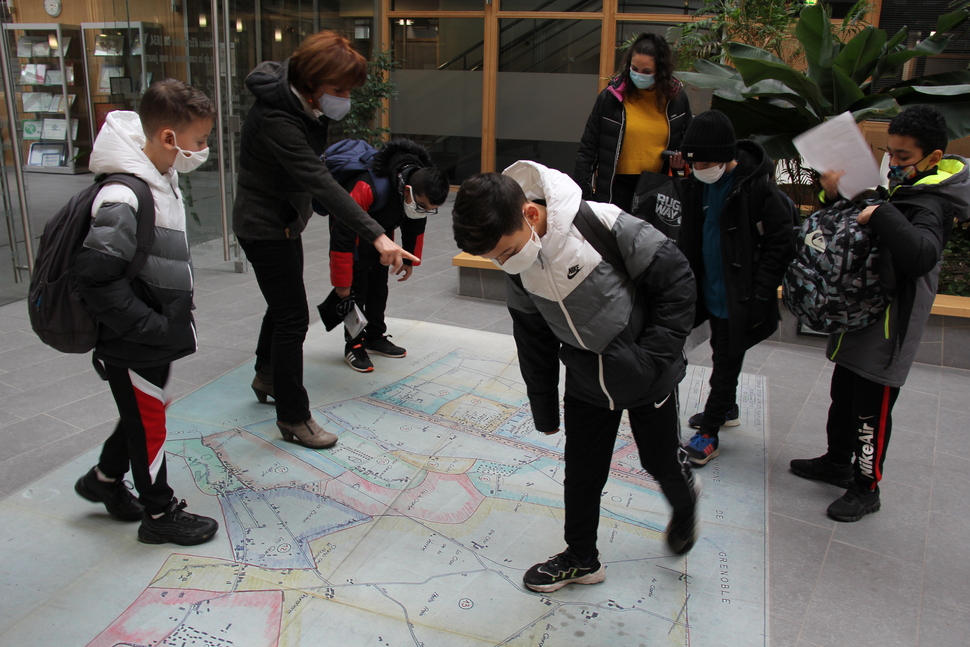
[925, 124]
[666, 85]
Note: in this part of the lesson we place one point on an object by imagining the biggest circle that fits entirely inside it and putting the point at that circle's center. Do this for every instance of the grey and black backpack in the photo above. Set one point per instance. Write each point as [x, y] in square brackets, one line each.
[832, 285]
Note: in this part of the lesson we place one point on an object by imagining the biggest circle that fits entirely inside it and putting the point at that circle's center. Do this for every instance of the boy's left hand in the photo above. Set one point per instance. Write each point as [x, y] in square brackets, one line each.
[406, 271]
[866, 214]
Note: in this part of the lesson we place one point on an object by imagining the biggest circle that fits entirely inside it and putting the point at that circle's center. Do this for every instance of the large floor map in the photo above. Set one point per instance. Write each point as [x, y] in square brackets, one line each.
[414, 530]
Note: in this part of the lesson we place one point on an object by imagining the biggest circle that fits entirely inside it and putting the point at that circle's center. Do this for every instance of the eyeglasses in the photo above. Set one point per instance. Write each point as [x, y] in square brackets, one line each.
[419, 209]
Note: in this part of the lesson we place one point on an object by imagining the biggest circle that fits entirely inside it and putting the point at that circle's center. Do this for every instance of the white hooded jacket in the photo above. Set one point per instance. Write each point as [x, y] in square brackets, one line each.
[148, 321]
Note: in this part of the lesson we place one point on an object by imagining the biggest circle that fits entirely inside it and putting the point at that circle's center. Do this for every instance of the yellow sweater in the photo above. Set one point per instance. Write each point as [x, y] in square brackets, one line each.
[645, 136]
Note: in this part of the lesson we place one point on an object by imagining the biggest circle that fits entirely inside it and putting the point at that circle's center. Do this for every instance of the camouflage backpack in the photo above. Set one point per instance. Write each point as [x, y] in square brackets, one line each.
[832, 284]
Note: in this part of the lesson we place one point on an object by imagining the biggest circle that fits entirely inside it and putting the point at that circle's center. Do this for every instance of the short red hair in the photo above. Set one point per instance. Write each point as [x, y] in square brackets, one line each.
[326, 57]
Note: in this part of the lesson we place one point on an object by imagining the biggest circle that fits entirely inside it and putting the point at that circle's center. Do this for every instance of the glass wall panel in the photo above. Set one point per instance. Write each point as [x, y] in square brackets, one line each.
[551, 5]
[13, 279]
[438, 5]
[547, 82]
[683, 7]
[439, 90]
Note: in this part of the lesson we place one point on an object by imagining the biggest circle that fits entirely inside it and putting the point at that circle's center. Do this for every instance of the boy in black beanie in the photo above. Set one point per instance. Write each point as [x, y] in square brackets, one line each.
[737, 234]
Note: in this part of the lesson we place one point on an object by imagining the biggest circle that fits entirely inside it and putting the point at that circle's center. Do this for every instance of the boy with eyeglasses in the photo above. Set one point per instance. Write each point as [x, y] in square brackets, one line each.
[417, 189]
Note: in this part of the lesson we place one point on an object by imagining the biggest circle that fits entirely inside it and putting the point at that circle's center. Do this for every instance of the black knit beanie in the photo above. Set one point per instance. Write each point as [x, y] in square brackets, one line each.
[709, 138]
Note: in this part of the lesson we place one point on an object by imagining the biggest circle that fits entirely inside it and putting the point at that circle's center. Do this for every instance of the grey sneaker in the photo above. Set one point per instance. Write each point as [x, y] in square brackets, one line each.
[562, 569]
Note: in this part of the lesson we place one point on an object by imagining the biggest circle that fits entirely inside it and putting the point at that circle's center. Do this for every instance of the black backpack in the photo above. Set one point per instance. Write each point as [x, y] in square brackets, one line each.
[57, 312]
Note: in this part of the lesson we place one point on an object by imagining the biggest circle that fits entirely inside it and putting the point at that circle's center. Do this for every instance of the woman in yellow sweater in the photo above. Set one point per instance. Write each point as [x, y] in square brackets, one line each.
[643, 112]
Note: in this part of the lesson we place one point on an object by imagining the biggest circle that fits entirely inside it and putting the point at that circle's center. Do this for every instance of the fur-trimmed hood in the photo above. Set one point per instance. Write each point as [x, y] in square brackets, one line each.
[397, 155]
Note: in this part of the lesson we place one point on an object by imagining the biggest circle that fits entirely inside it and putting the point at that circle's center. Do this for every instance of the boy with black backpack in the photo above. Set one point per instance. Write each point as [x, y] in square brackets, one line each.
[619, 326]
[927, 191]
[736, 231]
[145, 323]
[401, 187]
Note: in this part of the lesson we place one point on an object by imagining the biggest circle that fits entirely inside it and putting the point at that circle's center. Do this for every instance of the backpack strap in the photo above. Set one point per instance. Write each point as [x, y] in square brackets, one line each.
[597, 235]
[145, 219]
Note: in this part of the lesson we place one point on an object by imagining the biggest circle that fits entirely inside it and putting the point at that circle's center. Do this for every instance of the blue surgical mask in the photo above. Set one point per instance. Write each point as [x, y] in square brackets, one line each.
[642, 81]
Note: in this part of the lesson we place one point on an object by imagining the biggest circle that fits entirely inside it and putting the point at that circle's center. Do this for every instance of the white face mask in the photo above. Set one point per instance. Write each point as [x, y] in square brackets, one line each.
[524, 258]
[188, 161]
[334, 107]
[411, 210]
[709, 175]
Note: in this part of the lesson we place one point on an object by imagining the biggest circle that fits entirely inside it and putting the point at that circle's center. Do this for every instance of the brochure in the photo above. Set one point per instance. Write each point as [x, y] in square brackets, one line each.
[36, 101]
[54, 129]
[32, 128]
[109, 44]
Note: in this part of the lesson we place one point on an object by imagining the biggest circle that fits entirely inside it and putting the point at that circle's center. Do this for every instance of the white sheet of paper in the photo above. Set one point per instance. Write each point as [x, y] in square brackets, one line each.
[838, 145]
[355, 321]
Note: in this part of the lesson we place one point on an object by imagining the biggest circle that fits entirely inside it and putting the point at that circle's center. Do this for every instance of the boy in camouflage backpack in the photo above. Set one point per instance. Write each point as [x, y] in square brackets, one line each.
[927, 190]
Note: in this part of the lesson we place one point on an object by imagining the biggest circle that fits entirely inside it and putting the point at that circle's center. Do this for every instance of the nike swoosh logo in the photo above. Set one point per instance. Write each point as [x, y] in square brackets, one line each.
[573, 271]
[657, 405]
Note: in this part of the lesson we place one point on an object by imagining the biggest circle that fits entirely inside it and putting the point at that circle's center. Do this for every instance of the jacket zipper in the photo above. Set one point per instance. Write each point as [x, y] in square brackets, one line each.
[619, 145]
[572, 329]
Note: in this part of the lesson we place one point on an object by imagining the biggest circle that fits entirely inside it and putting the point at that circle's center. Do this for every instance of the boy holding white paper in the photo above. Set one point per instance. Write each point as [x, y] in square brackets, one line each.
[927, 191]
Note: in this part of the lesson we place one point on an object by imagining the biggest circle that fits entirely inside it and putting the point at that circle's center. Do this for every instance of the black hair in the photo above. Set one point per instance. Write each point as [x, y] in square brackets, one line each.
[666, 85]
[925, 124]
[488, 206]
[432, 183]
[171, 103]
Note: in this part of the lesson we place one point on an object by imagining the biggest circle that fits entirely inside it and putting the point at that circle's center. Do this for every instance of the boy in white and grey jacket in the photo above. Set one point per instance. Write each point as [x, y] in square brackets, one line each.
[619, 331]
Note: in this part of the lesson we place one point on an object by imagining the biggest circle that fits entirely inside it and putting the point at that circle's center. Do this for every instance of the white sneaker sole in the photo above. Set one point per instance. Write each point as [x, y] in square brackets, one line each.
[589, 578]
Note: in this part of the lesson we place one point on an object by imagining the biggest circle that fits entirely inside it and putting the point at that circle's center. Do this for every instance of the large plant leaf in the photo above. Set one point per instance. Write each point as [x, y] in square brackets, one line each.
[953, 101]
[779, 95]
[761, 120]
[874, 106]
[814, 31]
[727, 87]
[845, 91]
[704, 66]
[743, 50]
[758, 69]
[953, 77]
[890, 63]
[952, 20]
[859, 56]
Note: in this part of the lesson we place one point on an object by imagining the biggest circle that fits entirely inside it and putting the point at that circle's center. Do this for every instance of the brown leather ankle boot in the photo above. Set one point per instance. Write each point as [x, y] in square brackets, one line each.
[263, 386]
[308, 433]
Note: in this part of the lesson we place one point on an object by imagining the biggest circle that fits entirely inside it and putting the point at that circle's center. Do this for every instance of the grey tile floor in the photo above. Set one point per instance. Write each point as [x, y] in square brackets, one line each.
[896, 578]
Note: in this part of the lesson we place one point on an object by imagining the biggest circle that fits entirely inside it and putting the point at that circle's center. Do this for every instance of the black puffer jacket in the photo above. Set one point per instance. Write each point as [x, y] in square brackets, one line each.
[280, 170]
[599, 149]
[756, 246]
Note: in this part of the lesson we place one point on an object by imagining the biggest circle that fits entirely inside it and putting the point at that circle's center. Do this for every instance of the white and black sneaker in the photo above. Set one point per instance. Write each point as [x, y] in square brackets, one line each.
[358, 359]
[562, 569]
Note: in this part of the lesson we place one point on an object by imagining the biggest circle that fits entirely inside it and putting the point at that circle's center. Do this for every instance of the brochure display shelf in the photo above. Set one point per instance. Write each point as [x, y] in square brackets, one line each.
[123, 58]
[48, 77]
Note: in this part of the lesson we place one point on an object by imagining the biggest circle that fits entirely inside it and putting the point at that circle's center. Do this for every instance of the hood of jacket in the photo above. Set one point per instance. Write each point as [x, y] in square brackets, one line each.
[618, 85]
[753, 161]
[119, 149]
[561, 195]
[951, 182]
[398, 154]
[270, 83]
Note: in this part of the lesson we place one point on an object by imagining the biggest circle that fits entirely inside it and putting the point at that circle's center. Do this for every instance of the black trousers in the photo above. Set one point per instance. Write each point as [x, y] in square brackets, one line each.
[278, 265]
[724, 378]
[370, 292]
[590, 439]
[860, 423]
[624, 188]
[138, 440]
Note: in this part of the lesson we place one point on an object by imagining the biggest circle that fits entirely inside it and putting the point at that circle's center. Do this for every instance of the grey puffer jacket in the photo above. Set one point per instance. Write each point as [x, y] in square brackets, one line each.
[619, 332]
[913, 228]
[280, 170]
[148, 321]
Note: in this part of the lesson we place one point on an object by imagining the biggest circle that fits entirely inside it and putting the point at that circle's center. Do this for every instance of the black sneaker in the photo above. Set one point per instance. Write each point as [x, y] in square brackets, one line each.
[116, 497]
[822, 469]
[384, 346]
[563, 569]
[176, 526]
[357, 359]
[858, 501]
[683, 530]
[732, 419]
